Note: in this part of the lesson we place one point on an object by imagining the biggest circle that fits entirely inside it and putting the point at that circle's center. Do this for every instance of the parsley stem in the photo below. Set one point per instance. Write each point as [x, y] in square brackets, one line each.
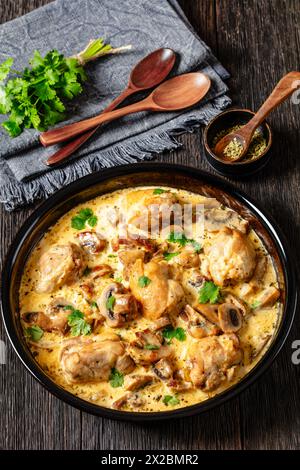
[96, 48]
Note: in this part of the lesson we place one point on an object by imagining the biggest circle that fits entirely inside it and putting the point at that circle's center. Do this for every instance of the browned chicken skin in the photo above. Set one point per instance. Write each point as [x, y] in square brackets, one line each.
[61, 264]
[211, 358]
[90, 361]
[162, 295]
[231, 258]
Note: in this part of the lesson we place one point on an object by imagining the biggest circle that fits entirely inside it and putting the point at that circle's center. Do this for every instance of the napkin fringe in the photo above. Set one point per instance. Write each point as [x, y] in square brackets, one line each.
[15, 195]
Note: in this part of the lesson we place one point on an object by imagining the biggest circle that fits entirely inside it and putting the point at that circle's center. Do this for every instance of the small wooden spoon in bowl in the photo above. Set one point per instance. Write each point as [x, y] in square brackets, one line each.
[147, 73]
[240, 139]
[177, 93]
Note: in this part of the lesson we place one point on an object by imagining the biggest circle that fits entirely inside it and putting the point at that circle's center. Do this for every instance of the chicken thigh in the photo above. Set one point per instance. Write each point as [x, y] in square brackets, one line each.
[61, 264]
[231, 257]
[90, 361]
[161, 295]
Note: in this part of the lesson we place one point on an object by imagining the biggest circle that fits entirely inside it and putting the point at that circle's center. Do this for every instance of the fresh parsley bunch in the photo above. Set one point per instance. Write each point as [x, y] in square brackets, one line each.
[35, 97]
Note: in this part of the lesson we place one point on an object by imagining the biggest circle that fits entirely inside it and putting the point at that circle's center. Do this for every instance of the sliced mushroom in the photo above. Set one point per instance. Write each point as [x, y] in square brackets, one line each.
[180, 385]
[133, 242]
[100, 270]
[148, 356]
[91, 242]
[198, 325]
[125, 364]
[149, 338]
[209, 311]
[125, 307]
[163, 369]
[230, 318]
[133, 400]
[160, 323]
[135, 382]
[215, 219]
[268, 297]
[237, 302]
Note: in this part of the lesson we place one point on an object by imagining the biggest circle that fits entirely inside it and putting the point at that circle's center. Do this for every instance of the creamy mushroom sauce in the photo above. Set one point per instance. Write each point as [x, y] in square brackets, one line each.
[258, 320]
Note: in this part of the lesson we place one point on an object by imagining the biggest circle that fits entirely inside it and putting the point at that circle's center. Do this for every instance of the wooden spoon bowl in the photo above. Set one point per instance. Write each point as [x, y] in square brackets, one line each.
[175, 94]
[181, 92]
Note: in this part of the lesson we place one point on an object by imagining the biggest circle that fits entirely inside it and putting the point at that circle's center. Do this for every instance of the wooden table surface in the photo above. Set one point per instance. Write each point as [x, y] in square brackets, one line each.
[258, 41]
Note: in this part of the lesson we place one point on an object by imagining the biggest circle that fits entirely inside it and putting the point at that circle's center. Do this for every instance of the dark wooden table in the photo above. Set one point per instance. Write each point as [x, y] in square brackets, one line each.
[258, 41]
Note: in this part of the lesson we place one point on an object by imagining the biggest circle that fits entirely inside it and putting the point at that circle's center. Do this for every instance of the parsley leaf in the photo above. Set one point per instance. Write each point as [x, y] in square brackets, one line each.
[177, 237]
[182, 240]
[144, 281]
[170, 400]
[209, 293]
[169, 333]
[255, 304]
[159, 191]
[116, 378]
[110, 302]
[77, 223]
[151, 347]
[39, 90]
[92, 221]
[168, 256]
[79, 326]
[82, 217]
[34, 332]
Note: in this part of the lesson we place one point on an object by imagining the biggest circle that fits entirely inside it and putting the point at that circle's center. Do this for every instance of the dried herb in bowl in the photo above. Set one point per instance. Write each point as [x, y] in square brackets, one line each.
[256, 148]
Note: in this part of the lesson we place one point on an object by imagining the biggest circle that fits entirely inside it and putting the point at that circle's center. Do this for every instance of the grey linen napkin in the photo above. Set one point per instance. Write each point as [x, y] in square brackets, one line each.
[68, 26]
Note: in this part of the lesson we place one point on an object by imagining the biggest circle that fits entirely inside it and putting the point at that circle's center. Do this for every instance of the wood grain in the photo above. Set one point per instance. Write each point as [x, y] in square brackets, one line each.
[258, 41]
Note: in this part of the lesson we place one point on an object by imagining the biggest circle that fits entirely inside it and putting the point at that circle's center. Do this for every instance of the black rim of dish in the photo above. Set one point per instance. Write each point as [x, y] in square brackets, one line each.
[95, 178]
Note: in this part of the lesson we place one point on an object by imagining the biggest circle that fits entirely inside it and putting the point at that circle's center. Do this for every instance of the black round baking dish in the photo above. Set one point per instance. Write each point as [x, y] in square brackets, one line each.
[132, 176]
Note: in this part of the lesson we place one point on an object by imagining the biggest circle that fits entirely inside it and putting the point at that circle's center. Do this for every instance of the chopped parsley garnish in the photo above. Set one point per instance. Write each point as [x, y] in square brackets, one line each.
[144, 281]
[168, 256]
[182, 240]
[83, 217]
[94, 304]
[79, 326]
[116, 378]
[159, 191]
[170, 400]
[151, 347]
[34, 332]
[169, 333]
[255, 304]
[110, 302]
[209, 292]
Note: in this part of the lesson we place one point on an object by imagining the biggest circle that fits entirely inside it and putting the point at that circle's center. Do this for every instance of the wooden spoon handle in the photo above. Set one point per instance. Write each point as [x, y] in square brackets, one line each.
[61, 134]
[70, 148]
[284, 88]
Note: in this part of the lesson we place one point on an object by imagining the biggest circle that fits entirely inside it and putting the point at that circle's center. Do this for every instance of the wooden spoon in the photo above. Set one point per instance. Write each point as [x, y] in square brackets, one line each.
[241, 138]
[177, 93]
[147, 73]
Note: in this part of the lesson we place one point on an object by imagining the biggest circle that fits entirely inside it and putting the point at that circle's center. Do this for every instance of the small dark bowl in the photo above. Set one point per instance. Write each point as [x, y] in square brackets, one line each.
[226, 120]
[157, 174]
